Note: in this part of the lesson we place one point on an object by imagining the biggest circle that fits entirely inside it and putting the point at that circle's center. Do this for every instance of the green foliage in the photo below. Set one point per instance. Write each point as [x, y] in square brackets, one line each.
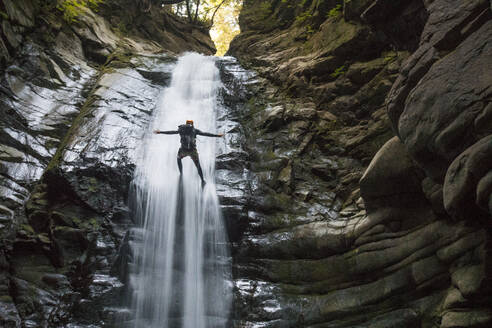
[289, 3]
[92, 187]
[309, 30]
[77, 221]
[303, 17]
[27, 228]
[335, 11]
[93, 224]
[303, 3]
[73, 8]
[264, 10]
[339, 71]
[6, 299]
[122, 28]
[389, 57]
[221, 16]
[4, 15]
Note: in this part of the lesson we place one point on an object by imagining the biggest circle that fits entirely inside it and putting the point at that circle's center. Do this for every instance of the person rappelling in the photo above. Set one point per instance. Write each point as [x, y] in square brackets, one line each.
[188, 133]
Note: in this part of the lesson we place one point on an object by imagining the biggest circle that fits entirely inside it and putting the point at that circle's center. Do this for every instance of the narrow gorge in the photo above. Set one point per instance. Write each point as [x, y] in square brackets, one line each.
[352, 188]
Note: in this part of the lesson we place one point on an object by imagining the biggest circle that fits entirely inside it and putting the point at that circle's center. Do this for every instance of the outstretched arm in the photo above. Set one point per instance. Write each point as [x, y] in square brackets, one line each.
[206, 134]
[165, 132]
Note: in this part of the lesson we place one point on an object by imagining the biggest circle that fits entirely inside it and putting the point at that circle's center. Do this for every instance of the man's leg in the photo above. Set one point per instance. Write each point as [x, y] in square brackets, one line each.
[180, 165]
[196, 160]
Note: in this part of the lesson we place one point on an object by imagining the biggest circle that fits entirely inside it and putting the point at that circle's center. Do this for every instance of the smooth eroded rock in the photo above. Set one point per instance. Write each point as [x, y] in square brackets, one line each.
[390, 173]
[467, 184]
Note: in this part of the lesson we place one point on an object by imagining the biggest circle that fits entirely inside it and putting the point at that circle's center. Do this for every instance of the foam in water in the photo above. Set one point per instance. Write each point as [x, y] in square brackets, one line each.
[181, 275]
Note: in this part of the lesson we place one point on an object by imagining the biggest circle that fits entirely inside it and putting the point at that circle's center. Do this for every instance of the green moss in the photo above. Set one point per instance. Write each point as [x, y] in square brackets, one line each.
[44, 238]
[91, 224]
[326, 126]
[71, 9]
[94, 223]
[277, 221]
[76, 221]
[254, 107]
[6, 299]
[281, 221]
[390, 57]
[117, 59]
[268, 156]
[259, 15]
[264, 10]
[92, 185]
[333, 35]
[84, 111]
[42, 202]
[4, 15]
[339, 71]
[335, 11]
[63, 229]
[50, 143]
[27, 228]
[122, 29]
[302, 3]
[303, 17]
[309, 30]
[280, 200]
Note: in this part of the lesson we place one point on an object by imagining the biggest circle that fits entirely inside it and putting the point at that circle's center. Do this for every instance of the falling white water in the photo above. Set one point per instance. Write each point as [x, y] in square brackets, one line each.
[181, 275]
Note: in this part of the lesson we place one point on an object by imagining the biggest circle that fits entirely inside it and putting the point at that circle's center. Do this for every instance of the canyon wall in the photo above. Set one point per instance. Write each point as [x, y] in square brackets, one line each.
[76, 97]
[356, 190]
[369, 137]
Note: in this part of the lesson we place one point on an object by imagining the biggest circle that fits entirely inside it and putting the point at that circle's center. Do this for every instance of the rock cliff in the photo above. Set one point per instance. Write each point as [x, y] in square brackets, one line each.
[369, 135]
[74, 100]
[355, 179]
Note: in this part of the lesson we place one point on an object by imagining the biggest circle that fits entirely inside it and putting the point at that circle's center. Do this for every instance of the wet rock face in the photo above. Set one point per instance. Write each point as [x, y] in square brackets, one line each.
[75, 101]
[76, 218]
[408, 245]
[440, 104]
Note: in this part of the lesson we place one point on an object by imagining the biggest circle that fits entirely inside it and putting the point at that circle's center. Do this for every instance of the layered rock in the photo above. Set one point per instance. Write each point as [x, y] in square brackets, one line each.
[75, 100]
[337, 79]
[440, 104]
[407, 246]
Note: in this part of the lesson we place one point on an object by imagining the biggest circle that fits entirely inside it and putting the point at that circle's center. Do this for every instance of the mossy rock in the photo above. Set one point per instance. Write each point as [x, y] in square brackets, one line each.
[21, 12]
[120, 60]
[44, 238]
[277, 202]
[6, 299]
[369, 148]
[64, 220]
[40, 220]
[71, 243]
[29, 230]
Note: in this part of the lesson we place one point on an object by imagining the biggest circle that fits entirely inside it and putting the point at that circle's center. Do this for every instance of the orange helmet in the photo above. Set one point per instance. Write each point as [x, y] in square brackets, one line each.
[189, 122]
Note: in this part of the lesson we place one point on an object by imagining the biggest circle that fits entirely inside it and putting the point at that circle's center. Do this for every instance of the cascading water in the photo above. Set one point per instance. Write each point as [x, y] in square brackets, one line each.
[181, 274]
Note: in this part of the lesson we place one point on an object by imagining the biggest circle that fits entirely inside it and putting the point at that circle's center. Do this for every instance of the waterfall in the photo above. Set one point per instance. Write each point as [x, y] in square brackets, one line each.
[181, 272]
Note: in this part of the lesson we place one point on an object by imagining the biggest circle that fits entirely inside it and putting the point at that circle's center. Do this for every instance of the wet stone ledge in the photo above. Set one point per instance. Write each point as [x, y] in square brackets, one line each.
[77, 215]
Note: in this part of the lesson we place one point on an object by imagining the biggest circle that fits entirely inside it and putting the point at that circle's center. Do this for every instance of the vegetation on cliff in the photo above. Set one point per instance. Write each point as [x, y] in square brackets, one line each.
[73, 8]
[221, 16]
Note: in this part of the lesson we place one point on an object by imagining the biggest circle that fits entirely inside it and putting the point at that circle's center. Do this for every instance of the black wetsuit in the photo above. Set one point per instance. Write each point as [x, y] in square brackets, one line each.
[188, 135]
